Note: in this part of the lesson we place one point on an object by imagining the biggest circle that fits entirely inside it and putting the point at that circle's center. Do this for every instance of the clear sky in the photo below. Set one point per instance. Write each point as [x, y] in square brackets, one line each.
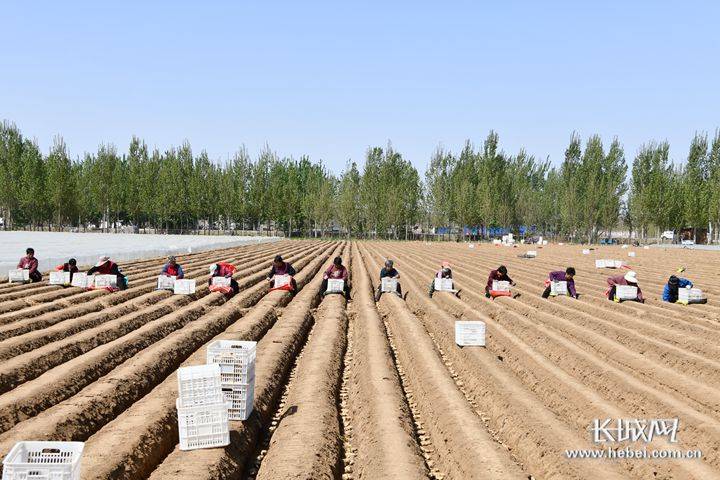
[329, 79]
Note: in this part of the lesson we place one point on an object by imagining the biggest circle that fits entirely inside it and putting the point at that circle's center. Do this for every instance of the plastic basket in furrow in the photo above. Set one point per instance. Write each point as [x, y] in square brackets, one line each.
[204, 426]
[199, 385]
[236, 360]
[43, 461]
[240, 398]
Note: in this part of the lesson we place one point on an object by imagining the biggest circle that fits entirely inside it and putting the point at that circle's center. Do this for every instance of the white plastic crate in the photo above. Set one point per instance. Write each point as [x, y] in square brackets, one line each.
[631, 254]
[689, 294]
[59, 278]
[204, 426]
[281, 281]
[443, 284]
[586, 251]
[43, 461]
[19, 275]
[558, 288]
[221, 281]
[470, 333]
[618, 263]
[601, 263]
[82, 280]
[199, 385]
[388, 284]
[531, 254]
[626, 292]
[240, 399]
[335, 285]
[184, 287]
[104, 281]
[500, 286]
[236, 360]
[165, 282]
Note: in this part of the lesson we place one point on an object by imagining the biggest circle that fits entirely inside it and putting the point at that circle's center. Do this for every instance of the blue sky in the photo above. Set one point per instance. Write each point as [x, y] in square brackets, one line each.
[329, 79]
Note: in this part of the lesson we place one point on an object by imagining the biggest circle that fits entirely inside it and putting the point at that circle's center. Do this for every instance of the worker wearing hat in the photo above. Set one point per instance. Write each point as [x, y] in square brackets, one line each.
[173, 269]
[105, 266]
[444, 272]
[630, 279]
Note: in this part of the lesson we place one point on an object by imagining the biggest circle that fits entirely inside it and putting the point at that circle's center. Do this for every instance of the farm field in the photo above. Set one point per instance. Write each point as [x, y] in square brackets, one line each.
[54, 248]
[366, 390]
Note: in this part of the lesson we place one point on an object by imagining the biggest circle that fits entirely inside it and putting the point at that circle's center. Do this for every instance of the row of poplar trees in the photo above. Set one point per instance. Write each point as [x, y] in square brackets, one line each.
[591, 193]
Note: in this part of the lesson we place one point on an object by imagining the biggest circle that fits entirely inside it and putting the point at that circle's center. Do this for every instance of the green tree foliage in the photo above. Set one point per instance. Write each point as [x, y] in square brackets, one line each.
[587, 195]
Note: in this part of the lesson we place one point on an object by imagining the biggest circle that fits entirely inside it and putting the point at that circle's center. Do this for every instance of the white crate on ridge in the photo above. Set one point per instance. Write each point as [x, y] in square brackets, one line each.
[221, 282]
[199, 385]
[205, 426]
[236, 360]
[59, 278]
[184, 287]
[689, 294]
[240, 399]
[558, 288]
[19, 275]
[43, 461]
[443, 284]
[501, 286]
[470, 333]
[104, 281]
[281, 281]
[165, 282]
[626, 292]
[335, 285]
[388, 284]
[82, 280]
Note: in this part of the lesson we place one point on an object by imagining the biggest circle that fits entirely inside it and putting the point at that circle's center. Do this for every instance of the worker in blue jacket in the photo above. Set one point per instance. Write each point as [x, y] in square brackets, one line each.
[670, 293]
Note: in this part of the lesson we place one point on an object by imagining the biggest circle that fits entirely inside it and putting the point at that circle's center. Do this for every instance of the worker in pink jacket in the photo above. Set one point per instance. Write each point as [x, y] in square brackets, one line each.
[29, 262]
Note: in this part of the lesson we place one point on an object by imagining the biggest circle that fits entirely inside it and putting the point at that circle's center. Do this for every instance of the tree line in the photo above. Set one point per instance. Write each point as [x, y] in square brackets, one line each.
[590, 194]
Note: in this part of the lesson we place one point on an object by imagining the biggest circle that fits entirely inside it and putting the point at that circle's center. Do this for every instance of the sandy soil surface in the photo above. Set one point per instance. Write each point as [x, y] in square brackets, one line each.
[366, 390]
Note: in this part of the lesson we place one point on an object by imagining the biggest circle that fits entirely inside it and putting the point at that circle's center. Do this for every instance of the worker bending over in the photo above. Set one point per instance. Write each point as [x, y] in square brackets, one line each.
[337, 271]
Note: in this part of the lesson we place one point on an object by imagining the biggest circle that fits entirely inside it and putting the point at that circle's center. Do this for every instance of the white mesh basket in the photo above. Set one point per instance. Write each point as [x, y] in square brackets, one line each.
[236, 360]
[199, 385]
[204, 426]
[240, 399]
[43, 461]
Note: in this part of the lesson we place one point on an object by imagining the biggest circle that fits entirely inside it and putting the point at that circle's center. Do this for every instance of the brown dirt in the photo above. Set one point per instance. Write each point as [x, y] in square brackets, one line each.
[403, 401]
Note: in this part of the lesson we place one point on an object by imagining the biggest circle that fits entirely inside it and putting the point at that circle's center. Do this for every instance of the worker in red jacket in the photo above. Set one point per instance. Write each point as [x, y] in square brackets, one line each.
[29, 262]
[173, 269]
[105, 266]
[224, 269]
[69, 266]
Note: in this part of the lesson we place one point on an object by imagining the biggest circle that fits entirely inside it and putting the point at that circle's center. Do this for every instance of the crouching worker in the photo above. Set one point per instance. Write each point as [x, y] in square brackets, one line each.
[671, 293]
[105, 266]
[173, 269]
[444, 272]
[30, 263]
[281, 267]
[629, 279]
[498, 275]
[388, 271]
[69, 266]
[224, 270]
[337, 271]
[568, 276]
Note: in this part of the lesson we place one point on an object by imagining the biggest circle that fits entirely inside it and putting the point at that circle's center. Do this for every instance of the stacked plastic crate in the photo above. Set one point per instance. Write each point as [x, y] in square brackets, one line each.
[202, 409]
[236, 360]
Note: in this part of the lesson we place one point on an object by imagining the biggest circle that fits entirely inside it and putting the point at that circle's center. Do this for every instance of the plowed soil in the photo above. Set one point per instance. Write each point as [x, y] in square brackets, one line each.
[376, 390]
